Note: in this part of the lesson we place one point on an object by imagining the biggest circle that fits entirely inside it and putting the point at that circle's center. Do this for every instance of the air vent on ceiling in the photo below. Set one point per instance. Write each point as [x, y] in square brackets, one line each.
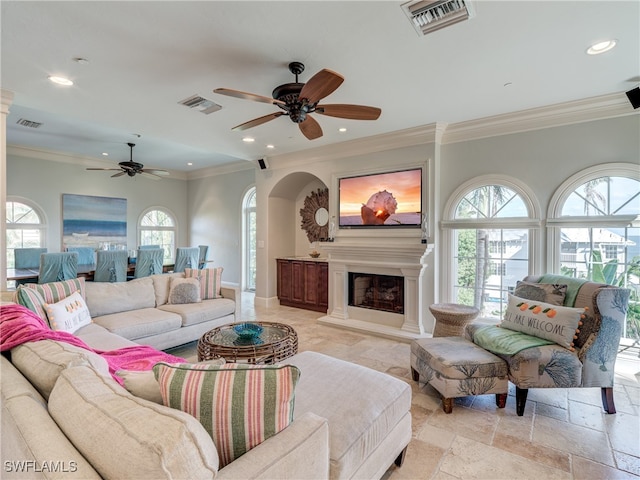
[28, 123]
[428, 16]
[201, 104]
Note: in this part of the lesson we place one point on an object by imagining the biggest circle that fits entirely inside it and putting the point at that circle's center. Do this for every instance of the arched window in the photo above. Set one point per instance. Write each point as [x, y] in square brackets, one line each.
[157, 226]
[26, 227]
[491, 228]
[249, 239]
[594, 227]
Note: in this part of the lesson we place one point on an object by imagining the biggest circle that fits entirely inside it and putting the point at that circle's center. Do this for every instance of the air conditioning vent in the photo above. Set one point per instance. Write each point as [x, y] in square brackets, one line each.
[201, 104]
[429, 16]
[29, 123]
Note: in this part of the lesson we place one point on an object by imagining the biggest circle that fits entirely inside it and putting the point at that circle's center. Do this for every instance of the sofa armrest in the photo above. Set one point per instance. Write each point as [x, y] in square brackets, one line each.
[231, 291]
[300, 451]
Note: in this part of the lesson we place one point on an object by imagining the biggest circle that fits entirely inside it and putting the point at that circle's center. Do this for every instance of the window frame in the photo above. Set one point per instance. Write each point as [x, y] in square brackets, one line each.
[246, 245]
[140, 228]
[42, 227]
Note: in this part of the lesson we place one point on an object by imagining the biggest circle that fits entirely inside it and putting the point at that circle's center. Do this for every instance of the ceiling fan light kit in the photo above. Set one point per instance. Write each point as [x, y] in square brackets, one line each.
[132, 168]
[299, 100]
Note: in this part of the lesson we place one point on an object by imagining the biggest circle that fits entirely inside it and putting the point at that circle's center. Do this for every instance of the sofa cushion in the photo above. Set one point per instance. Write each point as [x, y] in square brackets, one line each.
[184, 290]
[194, 313]
[105, 298]
[99, 338]
[140, 323]
[123, 436]
[543, 320]
[210, 281]
[69, 314]
[239, 405]
[362, 406]
[161, 285]
[42, 362]
[542, 292]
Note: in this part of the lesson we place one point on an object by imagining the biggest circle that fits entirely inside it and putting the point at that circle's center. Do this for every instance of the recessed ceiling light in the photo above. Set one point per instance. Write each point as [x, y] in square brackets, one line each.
[105, 154]
[189, 163]
[601, 47]
[248, 139]
[342, 130]
[271, 146]
[60, 80]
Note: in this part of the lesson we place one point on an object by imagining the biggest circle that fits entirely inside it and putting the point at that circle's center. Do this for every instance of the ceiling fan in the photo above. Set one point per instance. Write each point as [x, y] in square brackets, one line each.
[298, 100]
[132, 168]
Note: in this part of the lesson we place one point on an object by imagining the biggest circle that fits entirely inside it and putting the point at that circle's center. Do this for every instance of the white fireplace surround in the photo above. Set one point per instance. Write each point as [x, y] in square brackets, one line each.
[402, 257]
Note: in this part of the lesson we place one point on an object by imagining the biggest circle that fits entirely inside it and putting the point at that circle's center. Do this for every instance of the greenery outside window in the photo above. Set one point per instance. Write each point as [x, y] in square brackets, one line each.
[157, 226]
[25, 227]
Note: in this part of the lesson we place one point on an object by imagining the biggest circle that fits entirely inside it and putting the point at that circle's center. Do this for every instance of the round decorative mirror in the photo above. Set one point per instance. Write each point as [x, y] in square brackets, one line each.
[315, 215]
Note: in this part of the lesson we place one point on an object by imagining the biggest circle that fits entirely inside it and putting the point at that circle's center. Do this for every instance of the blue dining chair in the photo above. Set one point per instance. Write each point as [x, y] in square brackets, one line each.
[86, 255]
[186, 257]
[27, 258]
[111, 266]
[56, 267]
[148, 262]
[202, 260]
[147, 247]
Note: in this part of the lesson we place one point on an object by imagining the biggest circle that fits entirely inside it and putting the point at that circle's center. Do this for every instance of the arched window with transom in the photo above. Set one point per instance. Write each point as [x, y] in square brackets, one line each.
[157, 226]
[594, 231]
[249, 239]
[26, 227]
[490, 231]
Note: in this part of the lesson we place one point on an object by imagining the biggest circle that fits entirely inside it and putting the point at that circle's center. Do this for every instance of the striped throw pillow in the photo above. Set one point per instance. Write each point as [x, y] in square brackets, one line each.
[48, 293]
[210, 279]
[239, 405]
[30, 298]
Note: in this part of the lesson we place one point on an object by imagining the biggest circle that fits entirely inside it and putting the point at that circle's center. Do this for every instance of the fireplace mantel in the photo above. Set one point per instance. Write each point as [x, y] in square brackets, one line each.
[400, 257]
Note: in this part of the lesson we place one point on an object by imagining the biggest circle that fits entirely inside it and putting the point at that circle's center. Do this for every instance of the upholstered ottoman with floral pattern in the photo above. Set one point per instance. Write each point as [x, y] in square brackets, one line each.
[457, 368]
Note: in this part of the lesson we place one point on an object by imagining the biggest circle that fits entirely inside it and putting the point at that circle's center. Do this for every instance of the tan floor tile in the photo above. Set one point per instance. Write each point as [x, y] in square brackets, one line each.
[624, 433]
[474, 460]
[533, 451]
[573, 439]
[585, 469]
[550, 411]
[555, 397]
[419, 418]
[439, 437]
[628, 463]
[472, 424]
[588, 416]
[421, 462]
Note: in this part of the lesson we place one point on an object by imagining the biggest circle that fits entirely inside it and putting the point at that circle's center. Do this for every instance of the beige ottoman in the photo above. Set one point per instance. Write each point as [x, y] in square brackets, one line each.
[457, 367]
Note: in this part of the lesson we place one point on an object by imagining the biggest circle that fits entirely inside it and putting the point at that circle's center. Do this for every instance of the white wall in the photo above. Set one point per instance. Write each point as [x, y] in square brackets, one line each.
[44, 182]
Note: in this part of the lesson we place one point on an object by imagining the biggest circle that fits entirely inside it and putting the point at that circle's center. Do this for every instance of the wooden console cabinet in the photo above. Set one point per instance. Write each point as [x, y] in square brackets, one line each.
[303, 283]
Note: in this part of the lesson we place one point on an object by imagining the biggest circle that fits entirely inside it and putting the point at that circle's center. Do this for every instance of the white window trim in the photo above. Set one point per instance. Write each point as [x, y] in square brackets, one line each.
[245, 232]
[42, 226]
[175, 229]
[449, 224]
[555, 221]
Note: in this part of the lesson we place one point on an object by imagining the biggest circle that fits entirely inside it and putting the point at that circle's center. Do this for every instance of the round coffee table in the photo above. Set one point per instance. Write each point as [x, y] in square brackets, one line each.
[275, 343]
[451, 318]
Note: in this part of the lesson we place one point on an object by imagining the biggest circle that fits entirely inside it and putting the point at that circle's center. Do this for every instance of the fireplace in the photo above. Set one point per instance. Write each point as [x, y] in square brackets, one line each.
[377, 292]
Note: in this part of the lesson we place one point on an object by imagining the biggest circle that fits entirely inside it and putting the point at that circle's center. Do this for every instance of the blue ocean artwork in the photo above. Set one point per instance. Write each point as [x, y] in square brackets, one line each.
[89, 219]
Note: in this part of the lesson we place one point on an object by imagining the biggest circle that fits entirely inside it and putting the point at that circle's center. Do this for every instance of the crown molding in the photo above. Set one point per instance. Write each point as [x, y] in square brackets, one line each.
[579, 111]
[222, 170]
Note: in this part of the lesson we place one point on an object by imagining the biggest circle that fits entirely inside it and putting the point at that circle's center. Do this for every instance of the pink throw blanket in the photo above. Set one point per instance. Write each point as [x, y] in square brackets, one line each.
[19, 325]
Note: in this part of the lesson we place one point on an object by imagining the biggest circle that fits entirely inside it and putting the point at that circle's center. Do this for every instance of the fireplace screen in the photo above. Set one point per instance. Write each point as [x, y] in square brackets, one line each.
[378, 292]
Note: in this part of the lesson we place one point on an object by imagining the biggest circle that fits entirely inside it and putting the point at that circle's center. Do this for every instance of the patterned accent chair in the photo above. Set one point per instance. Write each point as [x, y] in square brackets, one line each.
[186, 257]
[596, 345]
[57, 267]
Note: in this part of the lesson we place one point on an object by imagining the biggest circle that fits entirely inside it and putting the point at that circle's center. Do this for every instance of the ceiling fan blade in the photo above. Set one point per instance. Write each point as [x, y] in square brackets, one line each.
[153, 171]
[147, 174]
[119, 174]
[248, 96]
[310, 128]
[320, 85]
[354, 112]
[258, 121]
[95, 168]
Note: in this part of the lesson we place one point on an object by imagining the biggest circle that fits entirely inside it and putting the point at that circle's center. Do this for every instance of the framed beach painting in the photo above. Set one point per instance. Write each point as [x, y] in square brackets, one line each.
[97, 222]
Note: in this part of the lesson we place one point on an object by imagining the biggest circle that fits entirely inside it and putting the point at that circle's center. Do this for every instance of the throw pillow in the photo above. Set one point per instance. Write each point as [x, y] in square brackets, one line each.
[143, 383]
[50, 293]
[184, 290]
[69, 314]
[210, 279]
[543, 320]
[541, 292]
[240, 405]
[30, 298]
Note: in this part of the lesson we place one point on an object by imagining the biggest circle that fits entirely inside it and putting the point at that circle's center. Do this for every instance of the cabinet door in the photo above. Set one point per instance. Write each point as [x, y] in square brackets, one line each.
[284, 280]
[297, 281]
[311, 283]
[323, 285]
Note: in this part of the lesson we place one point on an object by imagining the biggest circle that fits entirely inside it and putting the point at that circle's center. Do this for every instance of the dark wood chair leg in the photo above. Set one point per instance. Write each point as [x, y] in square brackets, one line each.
[607, 399]
[415, 375]
[501, 400]
[400, 459]
[521, 400]
[447, 405]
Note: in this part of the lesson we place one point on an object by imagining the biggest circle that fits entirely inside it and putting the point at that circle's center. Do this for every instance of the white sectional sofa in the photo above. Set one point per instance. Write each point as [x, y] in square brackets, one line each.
[64, 416]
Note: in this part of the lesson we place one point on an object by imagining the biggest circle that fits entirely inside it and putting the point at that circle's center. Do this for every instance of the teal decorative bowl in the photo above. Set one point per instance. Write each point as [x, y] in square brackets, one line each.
[247, 331]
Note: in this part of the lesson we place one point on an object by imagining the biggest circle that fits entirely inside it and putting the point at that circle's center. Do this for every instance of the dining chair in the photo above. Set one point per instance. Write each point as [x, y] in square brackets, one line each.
[202, 260]
[27, 258]
[147, 247]
[86, 255]
[56, 267]
[186, 257]
[111, 266]
[148, 262]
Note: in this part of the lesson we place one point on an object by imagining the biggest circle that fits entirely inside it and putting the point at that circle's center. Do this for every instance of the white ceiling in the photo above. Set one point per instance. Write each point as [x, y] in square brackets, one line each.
[144, 57]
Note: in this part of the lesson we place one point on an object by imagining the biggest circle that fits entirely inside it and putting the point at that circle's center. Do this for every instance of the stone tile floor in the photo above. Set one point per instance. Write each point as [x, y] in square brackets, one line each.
[564, 433]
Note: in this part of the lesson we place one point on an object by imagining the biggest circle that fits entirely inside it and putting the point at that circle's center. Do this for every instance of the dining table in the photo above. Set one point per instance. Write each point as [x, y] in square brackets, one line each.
[87, 271]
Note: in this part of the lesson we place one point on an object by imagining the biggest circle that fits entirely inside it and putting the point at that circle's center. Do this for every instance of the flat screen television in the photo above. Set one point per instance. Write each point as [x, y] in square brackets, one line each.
[387, 200]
